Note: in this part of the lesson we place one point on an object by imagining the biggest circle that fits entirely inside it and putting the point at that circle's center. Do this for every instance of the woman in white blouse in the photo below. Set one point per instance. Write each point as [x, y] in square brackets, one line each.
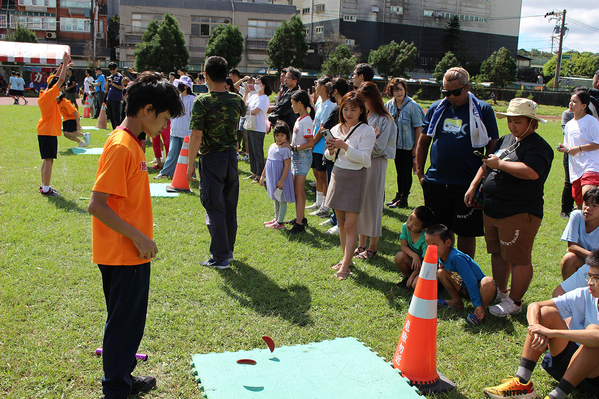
[350, 149]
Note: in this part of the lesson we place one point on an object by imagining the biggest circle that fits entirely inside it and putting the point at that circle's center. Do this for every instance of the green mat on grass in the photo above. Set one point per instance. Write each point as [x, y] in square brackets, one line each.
[159, 190]
[341, 368]
[86, 151]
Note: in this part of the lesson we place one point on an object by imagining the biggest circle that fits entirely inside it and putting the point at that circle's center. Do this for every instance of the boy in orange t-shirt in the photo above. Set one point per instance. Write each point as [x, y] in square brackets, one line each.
[71, 124]
[122, 232]
[48, 127]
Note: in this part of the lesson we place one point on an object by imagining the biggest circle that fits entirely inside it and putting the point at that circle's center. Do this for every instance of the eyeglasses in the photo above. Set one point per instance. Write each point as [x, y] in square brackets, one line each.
[455, 92]
[591, 278]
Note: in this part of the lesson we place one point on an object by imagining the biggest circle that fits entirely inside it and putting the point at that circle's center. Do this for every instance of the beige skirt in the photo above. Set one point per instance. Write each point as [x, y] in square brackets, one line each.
[346, 190]
[370, 222]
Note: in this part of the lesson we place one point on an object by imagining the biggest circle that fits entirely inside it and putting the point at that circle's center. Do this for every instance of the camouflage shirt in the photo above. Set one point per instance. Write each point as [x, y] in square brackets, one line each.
[217, 115]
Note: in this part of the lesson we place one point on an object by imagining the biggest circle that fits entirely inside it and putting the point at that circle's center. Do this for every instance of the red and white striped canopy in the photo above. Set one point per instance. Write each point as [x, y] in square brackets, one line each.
[32, 53]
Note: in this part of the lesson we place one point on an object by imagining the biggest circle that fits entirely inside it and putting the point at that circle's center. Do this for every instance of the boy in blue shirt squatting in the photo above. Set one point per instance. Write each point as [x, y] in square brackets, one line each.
[459, 274]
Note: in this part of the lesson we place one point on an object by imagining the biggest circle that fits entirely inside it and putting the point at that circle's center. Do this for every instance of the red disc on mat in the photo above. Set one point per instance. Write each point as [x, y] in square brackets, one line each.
[246, 361]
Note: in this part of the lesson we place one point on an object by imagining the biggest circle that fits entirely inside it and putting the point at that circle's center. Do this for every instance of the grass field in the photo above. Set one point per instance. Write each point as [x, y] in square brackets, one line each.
[52, 307]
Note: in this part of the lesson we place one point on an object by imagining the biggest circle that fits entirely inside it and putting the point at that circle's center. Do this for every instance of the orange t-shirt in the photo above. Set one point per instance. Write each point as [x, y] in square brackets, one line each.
[67, 109]
[122, 173]
[50, 124]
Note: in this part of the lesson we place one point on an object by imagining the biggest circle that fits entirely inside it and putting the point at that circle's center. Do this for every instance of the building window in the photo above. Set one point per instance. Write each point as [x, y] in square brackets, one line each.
[38, 3]
[74, 25]
[319, 8]
[350, 18]
[429, 13]
[397, 9]
[306, 11]
[75, 4]
[3, 21]
[33, 22]
[203, 26]
[319, 29]
[140, 22]
[262, 29]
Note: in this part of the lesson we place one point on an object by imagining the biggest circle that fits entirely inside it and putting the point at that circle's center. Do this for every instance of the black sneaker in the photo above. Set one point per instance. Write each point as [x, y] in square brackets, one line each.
[297, 228]
[142, 384]
[294, 220]
[49, 193]
[393, 201]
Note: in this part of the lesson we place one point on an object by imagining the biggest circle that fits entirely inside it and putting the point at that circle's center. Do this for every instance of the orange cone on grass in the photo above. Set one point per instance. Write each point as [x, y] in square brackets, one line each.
[180, 183]
[86, 108]
[102, 118]
[416, 353]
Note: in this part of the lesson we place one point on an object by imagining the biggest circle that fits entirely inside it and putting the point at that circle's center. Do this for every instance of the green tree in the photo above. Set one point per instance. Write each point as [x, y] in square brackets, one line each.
[499, 68]
[114, 24]
[21, 34]
[394, 59]
[288, 46]
[226, 41]
[162, 48]
[580, 64]
[448, 61]
[452, 40]
[340, 62]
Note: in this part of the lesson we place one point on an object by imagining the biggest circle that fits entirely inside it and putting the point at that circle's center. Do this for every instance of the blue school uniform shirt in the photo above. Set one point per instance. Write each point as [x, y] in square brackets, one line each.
[580, 305]
[419, 246]
[575, 232]
[577, 280]
[323, 111]
[470, 272]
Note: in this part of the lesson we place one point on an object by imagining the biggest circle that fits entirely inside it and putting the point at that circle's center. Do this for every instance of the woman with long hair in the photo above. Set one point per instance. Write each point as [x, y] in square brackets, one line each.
[370, 222]
[350, 149]
[258, 104]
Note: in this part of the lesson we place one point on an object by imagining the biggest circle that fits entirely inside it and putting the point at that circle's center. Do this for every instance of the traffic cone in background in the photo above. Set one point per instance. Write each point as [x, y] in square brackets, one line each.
[180, 183]
[86, 108]
[102, 118]
[416, 353]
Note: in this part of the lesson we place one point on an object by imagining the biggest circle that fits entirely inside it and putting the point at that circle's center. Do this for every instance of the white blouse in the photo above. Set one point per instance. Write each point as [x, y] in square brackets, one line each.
[360, 143]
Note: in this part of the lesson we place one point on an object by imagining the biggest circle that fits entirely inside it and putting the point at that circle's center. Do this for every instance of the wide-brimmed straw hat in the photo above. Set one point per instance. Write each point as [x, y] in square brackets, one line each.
[521, 107]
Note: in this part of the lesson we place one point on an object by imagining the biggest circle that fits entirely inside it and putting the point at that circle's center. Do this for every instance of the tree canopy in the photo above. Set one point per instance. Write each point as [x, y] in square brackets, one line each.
[499, 68]
[452, 40]
[340, 62]
[394, 59]
[226, 41]
[114, 24]
[162, 48]
[448, 61]
[580, 64]
[21, 34]
[288, 46]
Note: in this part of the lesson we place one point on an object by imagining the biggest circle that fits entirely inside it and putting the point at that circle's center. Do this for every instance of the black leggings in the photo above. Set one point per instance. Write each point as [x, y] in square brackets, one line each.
[403, 166]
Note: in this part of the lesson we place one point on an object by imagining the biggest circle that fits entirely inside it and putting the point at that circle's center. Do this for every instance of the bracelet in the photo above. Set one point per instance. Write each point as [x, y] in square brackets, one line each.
[579, 148]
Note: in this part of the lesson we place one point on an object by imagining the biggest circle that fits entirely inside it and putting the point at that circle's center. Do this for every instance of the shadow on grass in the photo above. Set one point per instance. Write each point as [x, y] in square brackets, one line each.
[395, 213]
[67, 152]
[67, 205]
[253, 289]
[314, 238]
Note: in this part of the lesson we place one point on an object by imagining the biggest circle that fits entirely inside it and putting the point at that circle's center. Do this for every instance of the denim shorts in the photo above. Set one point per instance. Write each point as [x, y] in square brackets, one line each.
[301, 161]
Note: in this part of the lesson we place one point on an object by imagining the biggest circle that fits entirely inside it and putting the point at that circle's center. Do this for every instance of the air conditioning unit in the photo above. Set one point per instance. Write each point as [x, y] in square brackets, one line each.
[99, 35]
[50, 35]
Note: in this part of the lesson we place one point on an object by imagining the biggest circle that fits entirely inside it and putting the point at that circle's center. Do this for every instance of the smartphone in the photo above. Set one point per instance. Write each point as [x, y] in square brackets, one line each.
[562, 147]
[326, 133]
[481, 155]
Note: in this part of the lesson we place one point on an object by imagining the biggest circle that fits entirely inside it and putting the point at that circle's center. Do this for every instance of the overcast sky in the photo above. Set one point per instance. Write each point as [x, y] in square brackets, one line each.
[536, 31]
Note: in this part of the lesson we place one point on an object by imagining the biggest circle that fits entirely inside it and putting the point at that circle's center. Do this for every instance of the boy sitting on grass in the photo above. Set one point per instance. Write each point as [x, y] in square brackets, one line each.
[460, 275]
[573, 357]
[581, 233]
[122, 230]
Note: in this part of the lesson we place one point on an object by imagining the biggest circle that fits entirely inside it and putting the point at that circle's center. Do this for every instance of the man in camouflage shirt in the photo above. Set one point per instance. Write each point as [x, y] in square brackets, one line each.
[214, 119]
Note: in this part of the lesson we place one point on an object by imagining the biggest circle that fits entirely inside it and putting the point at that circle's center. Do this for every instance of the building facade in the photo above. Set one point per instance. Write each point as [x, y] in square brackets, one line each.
[80, 24]
[197, 18]
[486, 25]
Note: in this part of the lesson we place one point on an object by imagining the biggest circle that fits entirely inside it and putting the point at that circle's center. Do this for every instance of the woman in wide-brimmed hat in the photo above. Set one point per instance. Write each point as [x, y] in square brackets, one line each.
[514, 177]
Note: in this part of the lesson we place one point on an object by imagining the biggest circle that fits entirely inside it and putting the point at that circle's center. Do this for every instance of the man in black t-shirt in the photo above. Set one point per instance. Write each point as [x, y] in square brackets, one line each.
[71, 87]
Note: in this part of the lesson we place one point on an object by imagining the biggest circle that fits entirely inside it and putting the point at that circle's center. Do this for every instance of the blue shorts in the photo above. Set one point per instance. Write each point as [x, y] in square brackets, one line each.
[301, 161]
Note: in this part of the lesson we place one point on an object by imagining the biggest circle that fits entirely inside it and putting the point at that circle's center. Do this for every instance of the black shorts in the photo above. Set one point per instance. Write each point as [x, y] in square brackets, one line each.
[69, 125]
[48, 146]
[12, 92]
[556, 367]
[447, 201]
[317, 162]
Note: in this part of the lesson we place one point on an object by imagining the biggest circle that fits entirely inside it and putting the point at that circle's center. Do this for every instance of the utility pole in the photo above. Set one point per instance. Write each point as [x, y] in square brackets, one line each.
[560, 46]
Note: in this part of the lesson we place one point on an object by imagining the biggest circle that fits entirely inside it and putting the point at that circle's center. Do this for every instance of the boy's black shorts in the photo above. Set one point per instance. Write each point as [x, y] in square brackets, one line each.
[48, 146]
[556, 366]
[69, 125]
[317, 162]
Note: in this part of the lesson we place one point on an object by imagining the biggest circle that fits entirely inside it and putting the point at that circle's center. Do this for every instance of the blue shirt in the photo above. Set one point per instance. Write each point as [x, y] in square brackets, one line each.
[115, 94]
[102, 80]
[322, 114]
[408, 117]
[452, 160]
[470, 272]
[580, 305]
[576, 280]
[575, 232]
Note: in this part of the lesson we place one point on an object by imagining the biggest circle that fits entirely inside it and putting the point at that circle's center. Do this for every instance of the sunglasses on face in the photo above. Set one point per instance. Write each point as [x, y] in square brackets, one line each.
[455, 92]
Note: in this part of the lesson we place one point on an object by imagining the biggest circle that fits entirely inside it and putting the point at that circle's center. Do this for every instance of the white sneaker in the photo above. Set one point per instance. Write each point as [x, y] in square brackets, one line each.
[87, 137]
[505, 307]
[321, 212]
[159, 176]
[333, 230]
[313, 206]
[81, 144]
[502, 295]
[326, 222]
[312, 183]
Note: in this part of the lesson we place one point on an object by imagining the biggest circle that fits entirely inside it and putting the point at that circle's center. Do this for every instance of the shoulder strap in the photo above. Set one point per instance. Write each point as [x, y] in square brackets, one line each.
[347, 138]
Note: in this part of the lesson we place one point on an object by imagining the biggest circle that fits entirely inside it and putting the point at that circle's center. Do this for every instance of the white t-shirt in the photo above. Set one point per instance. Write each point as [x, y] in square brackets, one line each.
[575, 231]
[180, 126]
[361, 143]
[303, 128]
[87, 84]
[580, 305]
[581, 132]
[261, 102]
[576, 280]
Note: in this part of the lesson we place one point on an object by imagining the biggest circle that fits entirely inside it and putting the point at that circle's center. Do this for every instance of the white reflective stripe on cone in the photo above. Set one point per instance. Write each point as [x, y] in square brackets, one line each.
[423, 308]
[428, 271]
[183, 159]
[185, 146]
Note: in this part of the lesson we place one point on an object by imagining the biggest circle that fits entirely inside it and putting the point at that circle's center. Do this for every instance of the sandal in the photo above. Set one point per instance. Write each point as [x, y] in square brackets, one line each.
[443, 303]
[359, 250]
[368, 254]
[472, 319]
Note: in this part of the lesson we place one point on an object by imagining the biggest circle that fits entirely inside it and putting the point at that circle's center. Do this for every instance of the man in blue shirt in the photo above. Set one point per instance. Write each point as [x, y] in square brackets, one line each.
[114, 96]
[99, 94]
[453, 129]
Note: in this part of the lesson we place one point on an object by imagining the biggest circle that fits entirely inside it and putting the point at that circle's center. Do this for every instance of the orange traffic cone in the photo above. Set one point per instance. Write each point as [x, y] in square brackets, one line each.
[102, 118]
[180, 183]
[86, 108]
[416, 353]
